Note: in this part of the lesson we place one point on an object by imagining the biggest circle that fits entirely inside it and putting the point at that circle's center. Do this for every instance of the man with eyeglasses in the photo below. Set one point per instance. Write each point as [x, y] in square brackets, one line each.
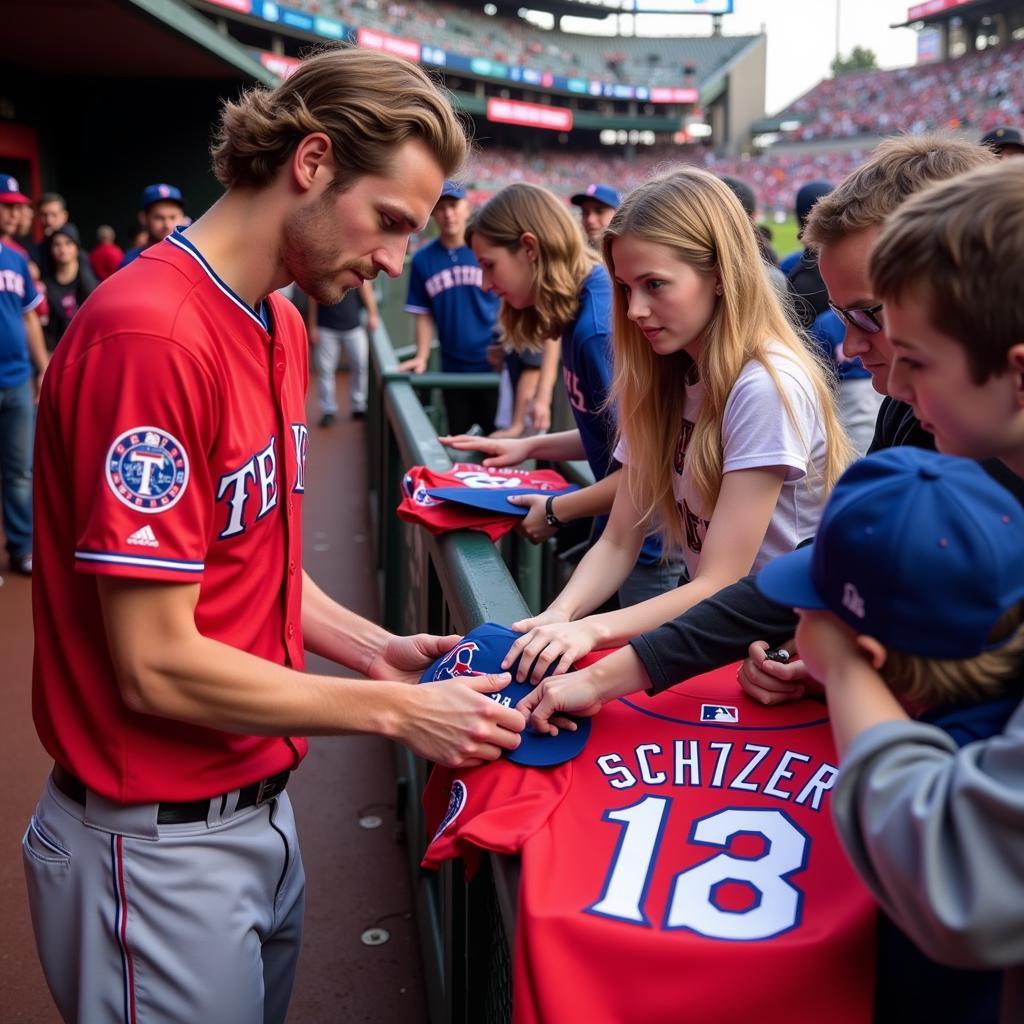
[738, 621]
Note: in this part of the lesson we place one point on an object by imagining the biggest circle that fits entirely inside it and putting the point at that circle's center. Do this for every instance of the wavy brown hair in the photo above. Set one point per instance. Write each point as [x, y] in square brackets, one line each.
[563, 257]
[696, 216]
[367, 103]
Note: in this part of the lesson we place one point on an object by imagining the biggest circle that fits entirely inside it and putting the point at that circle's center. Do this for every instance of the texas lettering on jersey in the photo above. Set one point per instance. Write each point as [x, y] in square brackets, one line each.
[690, 845]
[453, 277]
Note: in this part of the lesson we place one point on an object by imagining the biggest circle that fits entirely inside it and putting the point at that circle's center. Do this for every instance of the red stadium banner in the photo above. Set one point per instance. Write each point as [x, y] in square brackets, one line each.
[242, 6]
[368, 39]
[278, 64]
[675, 95]
[933, 7]
[534, 115]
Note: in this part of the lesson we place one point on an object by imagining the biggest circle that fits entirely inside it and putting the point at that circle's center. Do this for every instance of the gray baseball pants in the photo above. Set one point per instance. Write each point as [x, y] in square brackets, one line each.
[141, 923]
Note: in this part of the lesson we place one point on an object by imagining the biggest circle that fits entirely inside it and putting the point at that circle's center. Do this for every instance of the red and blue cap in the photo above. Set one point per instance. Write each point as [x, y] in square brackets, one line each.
[922, 551]
[602, 193]
[481, 652]
[10, 192]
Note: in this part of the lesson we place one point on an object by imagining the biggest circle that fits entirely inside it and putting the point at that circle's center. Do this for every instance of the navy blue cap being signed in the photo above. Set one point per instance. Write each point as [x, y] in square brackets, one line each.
[492, 499]
[480, 652]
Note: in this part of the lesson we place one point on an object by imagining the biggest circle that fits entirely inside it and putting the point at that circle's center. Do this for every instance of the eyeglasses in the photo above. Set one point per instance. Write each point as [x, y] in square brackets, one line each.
[864, 318]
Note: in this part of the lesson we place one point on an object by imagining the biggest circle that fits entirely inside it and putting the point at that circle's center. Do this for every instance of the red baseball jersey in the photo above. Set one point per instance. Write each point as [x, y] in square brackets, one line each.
[171, 446]
[684, 868]
[440, 516]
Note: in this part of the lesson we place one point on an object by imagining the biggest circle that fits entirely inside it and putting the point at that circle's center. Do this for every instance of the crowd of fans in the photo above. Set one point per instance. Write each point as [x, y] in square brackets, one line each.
[975, 92]
[775, 178]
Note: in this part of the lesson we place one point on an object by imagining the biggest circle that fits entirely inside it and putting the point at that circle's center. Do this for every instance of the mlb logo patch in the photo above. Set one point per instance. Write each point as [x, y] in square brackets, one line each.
[719, 713]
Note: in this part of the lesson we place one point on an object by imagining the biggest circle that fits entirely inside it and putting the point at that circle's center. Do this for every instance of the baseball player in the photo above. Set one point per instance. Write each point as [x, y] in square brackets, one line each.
[445, 295]
[172, 611]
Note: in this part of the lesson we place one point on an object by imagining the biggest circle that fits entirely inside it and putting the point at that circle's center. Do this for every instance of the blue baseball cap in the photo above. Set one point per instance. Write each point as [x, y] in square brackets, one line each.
[453, 190]
[602, 193]
[493, 499]
[480, 652]
[922, 551]
[160, 193]
[10, 192]
[808, 195]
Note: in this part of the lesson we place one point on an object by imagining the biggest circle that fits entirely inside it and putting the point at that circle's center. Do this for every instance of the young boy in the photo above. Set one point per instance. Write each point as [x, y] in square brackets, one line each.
[935, 830]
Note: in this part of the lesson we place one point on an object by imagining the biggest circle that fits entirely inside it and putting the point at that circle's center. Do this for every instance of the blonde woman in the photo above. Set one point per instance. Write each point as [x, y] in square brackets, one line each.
[729, 434]
[552, 285]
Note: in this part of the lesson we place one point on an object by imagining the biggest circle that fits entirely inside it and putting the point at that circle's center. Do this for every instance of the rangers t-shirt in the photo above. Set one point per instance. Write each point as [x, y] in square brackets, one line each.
[758, 432]
[683, 868]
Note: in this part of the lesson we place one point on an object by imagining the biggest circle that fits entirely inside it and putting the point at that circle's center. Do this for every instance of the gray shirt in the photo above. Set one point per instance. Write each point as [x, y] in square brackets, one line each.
[937, 833]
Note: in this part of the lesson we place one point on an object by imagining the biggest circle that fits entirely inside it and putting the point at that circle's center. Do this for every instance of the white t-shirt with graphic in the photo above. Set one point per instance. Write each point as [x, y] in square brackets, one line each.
[757, 431]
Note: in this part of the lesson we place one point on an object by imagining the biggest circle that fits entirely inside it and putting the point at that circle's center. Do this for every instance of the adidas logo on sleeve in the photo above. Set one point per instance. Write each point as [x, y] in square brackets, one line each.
[144, 537]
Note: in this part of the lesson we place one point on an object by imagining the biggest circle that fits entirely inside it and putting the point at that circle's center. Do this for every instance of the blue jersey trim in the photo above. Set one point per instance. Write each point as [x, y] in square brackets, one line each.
[116, 558]
[178, 238]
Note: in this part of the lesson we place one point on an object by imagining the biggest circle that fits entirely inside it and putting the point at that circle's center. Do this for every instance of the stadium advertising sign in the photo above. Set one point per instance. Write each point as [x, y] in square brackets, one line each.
[532, 115]
[919, 11]
[665, 95]
[369, 39]
[278, 64]
[241, 6]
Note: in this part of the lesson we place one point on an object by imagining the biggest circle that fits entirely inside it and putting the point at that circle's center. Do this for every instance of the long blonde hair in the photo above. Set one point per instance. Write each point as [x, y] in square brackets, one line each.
[563, 258]
[696, 215]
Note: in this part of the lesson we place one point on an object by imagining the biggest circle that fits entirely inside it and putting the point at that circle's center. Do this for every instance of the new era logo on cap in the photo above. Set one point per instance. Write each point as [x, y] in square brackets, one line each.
[145, 537]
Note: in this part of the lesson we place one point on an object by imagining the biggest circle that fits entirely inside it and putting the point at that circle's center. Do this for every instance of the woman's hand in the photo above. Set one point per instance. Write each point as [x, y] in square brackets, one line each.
[500, 451]
[555, 645]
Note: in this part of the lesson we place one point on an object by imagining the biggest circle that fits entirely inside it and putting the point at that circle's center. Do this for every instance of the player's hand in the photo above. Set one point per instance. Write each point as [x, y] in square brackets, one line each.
[826, 645]
[558, 644]
[771, 682]
[500, 451]
[534, 525]
[405, 657]
[454, 723]
[418, 364]
[538, 412]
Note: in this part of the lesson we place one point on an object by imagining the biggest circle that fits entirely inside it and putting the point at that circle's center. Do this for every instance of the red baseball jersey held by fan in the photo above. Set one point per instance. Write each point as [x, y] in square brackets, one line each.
[683, 868]
[170, 447]
[440, 516]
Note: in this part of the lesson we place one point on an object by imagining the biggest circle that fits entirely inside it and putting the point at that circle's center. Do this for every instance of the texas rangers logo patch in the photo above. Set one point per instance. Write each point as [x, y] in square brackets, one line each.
[147, 469]
[455, 804]
[457, 662]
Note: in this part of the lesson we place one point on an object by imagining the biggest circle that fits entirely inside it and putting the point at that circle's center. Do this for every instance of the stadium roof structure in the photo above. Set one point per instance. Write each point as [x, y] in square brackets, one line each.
[138, 38]
[935, 11]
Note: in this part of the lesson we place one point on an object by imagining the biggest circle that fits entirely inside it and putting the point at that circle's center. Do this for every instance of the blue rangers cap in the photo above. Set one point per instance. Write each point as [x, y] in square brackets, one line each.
[922, 551]
[160, 193]
[602, 193]
[480, 652]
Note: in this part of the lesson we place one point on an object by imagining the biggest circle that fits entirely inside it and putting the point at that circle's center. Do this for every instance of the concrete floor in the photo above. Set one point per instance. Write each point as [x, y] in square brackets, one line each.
[356, 878]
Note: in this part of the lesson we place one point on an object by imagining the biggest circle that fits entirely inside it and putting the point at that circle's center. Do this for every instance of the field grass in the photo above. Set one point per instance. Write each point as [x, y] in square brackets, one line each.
[784, 239]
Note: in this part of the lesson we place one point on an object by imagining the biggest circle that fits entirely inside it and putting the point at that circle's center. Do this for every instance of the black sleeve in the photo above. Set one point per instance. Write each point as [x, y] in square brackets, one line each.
[712, 634]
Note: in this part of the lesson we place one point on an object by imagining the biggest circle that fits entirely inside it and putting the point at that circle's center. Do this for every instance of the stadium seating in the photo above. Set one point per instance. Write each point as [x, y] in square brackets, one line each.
[975, 92]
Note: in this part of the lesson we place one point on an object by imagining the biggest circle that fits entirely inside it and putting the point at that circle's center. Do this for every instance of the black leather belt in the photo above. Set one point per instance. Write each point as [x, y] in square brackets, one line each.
[253, 795]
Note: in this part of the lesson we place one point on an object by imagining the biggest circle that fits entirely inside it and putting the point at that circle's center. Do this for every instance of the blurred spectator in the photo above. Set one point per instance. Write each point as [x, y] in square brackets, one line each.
[23, 233]
[22, 350]
[338, 328]
[161, 210]
[808, 195]
[70, 283]
[597, 204]
[748, 200]
[107, 255]
[53, 212]
[12, 200]
[1005, 140]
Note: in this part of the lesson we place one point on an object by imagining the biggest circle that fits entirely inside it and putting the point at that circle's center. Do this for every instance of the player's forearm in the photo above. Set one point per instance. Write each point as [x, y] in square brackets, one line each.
[595, 500]
[211, 684]
[337, 633]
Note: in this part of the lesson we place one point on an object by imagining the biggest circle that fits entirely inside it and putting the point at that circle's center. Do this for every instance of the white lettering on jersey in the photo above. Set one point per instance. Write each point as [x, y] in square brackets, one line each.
[454, 277]
[300, 438]
[266, 467]
[12, 281]
[697, 762]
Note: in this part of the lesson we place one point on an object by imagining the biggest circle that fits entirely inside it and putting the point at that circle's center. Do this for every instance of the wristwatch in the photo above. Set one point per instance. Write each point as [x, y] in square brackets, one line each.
[549, 515]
